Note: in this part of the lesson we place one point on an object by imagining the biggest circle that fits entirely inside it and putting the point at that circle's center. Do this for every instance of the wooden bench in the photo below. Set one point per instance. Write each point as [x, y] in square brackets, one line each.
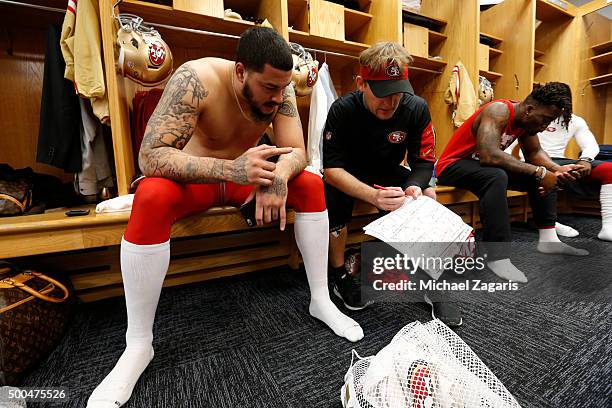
[209, 245]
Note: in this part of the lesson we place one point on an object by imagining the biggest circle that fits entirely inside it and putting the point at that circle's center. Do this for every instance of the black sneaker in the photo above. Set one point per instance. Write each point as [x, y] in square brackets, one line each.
[347, 288]
[448, 312]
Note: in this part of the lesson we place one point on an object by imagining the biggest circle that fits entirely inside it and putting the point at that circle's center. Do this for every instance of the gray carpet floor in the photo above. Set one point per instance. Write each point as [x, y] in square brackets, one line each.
[247, 341]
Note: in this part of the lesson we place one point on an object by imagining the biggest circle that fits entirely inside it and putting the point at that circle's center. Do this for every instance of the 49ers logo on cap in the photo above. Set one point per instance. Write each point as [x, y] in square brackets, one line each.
[393, 71]
[396, 137]
[157, 53]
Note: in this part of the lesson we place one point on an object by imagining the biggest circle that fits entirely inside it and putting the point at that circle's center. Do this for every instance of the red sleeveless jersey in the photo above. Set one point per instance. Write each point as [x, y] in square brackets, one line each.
[463, 143]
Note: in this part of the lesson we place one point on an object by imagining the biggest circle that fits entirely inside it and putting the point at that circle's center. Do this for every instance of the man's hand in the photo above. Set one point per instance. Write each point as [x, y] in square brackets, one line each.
[270, 202]
[548, 183]
[586, 168]
[252, 167]
[413, 191]
[389, 199]
[568, 173]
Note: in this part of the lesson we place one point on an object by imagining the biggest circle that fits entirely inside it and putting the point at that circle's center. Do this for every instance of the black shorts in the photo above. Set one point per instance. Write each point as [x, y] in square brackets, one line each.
[587, 186]
[340, 205]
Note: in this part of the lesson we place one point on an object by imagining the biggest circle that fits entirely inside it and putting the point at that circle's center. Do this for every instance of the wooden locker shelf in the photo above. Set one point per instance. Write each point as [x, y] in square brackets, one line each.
[428, 63]
[601, 79]
[297, 14]
[298, 32]
[436, 37]
[437, 21]
[602, 47]
[354, 21]
[327, 44]
[538, 64]
[546, 11]
[496, 40]
[490, 75]
[537, 53]
[602, 58]
[155, 13]
[494, 52]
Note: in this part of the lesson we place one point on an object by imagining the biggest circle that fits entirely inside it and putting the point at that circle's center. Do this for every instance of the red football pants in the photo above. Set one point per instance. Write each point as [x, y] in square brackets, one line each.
[160, 202]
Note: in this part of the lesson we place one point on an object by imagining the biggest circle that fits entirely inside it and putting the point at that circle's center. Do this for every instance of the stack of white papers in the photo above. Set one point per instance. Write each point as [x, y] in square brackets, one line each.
[418, 221]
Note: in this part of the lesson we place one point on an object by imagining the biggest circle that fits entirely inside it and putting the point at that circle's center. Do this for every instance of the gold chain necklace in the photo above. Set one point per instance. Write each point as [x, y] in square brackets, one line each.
[236, 97]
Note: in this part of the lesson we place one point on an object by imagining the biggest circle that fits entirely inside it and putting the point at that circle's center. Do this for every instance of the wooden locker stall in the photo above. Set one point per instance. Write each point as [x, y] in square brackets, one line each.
[217, 242]
[452, 37]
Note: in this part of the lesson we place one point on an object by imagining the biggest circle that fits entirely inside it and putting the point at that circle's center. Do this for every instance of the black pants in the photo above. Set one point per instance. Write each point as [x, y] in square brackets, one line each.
[585, 187]
[490, 185]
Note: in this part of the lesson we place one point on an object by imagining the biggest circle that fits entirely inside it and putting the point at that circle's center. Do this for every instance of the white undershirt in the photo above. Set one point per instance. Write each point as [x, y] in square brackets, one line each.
[555, 138]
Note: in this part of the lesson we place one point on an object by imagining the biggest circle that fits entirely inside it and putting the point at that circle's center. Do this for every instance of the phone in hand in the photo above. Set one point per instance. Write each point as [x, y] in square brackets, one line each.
[248, 212]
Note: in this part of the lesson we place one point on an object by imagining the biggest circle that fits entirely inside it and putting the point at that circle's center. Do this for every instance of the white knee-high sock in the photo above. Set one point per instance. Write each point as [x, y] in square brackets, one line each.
[605, 197]
[311, 236]
[143, 268]
[549, 243]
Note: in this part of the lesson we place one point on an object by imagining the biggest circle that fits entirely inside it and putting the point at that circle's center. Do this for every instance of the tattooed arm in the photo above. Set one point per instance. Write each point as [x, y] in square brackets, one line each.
[169, 129]
[288, 132]
[489, 129]
[270, 200]
[171, 126]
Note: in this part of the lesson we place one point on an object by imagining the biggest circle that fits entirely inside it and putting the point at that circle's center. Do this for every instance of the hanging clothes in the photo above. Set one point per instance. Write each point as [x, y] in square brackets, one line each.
[461, 94]
[143, 105]
[96, 173]
[321, 99]
[60, 114]
[81, 44]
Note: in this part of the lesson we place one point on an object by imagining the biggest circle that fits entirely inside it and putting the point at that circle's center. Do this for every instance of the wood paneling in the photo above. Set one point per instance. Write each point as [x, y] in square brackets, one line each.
[386, 24]
[327, 19]
[416, 40]
[212, 8]
[462, 31]
[513, 22]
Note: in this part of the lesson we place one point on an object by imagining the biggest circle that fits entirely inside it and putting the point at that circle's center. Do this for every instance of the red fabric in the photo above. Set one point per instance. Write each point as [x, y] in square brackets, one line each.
[463, 143]
[603, 173]
[143, 105]
[160, 202]
[428, 143]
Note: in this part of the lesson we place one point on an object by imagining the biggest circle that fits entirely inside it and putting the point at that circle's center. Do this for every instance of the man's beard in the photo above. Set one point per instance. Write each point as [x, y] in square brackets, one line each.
[259, 115]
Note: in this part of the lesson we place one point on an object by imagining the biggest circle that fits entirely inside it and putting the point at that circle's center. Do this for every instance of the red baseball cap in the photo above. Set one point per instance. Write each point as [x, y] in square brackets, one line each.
[389, 80]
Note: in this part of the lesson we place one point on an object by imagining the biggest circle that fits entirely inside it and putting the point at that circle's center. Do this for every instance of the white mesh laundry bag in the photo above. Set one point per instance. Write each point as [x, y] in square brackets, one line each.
[424, 366]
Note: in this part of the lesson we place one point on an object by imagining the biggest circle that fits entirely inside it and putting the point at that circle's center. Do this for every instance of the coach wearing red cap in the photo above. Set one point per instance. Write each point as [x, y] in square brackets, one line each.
[365, 140]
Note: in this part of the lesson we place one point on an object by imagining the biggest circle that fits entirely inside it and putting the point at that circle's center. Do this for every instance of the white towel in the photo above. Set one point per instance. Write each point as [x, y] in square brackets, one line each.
[117, 204]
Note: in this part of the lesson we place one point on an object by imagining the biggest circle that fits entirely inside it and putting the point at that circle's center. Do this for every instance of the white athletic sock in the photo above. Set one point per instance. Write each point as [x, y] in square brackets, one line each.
[605, 197]
[143, 268]
[565, 230]
[551, 244]
[506, 270]
[311, 236]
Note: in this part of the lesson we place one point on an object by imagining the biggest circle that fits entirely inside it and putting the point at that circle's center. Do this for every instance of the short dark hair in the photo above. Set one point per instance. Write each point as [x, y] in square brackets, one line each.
[557, 94]
[259, 46]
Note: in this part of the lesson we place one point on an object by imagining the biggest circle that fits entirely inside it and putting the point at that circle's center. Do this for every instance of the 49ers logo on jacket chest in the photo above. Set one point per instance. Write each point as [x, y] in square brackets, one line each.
[157, 53]
[396, 137]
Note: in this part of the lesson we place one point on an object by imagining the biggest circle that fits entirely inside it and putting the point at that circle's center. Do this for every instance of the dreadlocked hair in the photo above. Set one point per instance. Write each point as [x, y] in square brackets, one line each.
[557, 94]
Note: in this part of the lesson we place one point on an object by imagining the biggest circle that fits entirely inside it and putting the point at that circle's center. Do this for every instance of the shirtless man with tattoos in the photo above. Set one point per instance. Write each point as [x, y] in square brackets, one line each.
[474, 159]
[199, 151]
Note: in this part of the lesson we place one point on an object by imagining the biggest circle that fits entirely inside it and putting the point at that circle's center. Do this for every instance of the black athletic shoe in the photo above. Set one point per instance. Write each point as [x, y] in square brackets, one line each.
[347, 288]
[448, 312]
